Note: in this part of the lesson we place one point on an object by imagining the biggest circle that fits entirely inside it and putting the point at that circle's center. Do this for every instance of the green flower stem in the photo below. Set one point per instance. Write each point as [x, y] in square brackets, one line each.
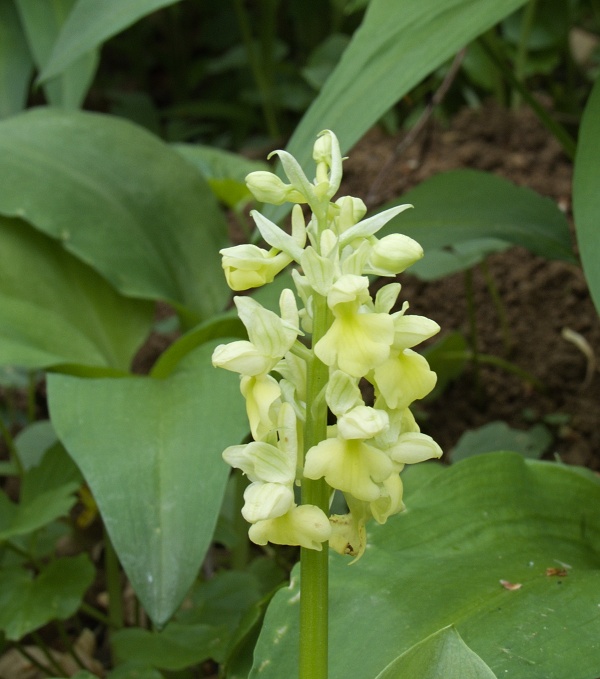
[31, 397]
[521, 56]
[260, 77]
[12, 448]
[473, 331]
[95, 614]
[314, 582]
[497, 362]
[564, 138]
[499, 305]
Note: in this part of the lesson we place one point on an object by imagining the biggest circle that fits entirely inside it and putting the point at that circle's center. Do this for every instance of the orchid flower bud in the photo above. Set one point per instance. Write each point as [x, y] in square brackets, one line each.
[393, 254]
[248, 266]
[267, 187]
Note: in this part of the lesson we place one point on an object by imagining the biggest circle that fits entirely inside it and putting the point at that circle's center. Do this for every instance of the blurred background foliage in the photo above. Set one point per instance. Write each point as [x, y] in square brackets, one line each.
[238, 74]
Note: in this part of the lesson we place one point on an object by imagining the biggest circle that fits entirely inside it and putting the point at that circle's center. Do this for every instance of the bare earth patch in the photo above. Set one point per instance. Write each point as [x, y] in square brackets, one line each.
[542, 297]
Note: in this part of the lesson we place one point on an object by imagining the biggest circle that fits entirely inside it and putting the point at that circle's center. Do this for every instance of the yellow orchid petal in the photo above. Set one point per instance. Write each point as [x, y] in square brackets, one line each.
[362, 422]
[241, 357]
[304, 526]
[248, 266]
[266, 501]
[390, 503]
[261, 393]
[404, 378]
[413, 447]
[356, 343]
[351, 466]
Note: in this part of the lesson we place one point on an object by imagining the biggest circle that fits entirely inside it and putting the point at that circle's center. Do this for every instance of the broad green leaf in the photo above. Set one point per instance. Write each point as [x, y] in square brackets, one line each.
[454, 258]
[223, 325]
[224, 171]
[443, 654]
[134, 670]
[27, 602]
[150, 451]
[223, 602]
[90, 24]
[446, 358]
[55, 310]
[397, 45]
[586, 196]
[462, 205]
[495, 436]
[16, 65]
[324, 59]
[42, 22]
[175, 648]
[119, 199]
[472, 526]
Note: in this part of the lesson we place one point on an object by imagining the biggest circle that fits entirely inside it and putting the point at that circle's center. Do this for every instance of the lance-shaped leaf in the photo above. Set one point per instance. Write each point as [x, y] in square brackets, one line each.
[42, 22]
[586, 195]
[119, 199]
[466, 205]
[150, 450]
[505, 549]
[16, 64]
[224, 171]
[397, 45]
[55, 310]
[90, 24]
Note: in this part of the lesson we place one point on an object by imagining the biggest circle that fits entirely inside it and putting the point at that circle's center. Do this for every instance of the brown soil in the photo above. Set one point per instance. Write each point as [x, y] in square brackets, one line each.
[541, 297]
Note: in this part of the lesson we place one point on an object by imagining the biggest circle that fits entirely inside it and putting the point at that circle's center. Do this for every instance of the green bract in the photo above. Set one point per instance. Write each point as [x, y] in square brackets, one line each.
[353, 337]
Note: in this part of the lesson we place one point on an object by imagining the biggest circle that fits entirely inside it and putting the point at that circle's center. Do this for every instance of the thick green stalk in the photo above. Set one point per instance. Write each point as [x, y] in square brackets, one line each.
[314, 576]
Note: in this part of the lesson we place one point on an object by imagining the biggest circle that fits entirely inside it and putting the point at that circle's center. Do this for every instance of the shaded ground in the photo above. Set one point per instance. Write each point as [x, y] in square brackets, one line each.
[541, 297]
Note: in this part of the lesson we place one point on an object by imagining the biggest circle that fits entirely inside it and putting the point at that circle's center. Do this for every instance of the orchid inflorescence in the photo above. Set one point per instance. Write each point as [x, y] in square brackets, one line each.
[354, 337]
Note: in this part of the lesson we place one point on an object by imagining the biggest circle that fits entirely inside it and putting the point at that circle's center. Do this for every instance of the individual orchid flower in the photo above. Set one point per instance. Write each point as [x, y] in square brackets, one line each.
[349, 531]
[357, 340]
[347, 462]
[270, 337]
[303, 526]
[263, 394]
[405, 376]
